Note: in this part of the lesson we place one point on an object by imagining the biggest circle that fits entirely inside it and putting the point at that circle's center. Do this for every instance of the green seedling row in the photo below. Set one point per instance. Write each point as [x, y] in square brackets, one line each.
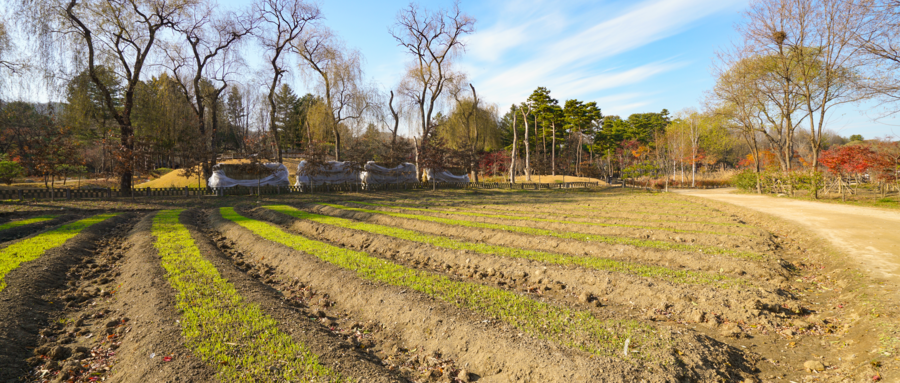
[532, 219]
[596, 263]
[616, 206]
[235, 336]
[26, 221]
[661, 245]
[504, 212]
[573, 328]
[30, 249]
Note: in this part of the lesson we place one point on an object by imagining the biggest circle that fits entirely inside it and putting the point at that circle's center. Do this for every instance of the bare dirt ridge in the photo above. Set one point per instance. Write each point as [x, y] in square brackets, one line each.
[30, 303]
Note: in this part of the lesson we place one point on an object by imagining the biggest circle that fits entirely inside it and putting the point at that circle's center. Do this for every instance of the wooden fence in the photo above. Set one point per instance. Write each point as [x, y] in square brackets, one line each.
[110, 193]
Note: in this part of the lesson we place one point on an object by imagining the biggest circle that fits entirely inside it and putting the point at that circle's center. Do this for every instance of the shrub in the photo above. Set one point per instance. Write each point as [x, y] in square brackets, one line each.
[162, 171]
[9, 170]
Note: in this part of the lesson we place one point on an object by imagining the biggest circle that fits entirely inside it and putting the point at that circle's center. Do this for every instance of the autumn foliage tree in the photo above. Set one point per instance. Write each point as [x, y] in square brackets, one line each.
[851, 160]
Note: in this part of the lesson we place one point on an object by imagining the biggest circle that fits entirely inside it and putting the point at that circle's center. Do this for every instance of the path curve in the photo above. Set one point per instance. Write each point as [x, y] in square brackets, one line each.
[868, 236]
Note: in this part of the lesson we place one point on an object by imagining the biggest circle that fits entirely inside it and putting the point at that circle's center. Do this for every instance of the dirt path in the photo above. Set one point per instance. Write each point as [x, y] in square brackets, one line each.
[869, 236]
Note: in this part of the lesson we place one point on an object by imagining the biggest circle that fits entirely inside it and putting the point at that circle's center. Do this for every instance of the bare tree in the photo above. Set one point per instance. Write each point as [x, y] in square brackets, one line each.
[736, 103]
[775, 67]
[282, 23]
[470, 120]
[337, 73]
[822, 34]
[512, 157]
[119, 34]
[5, 47]
[395, 115]
[880, 41]
[208, 37]
[525, 108]
[433, 39]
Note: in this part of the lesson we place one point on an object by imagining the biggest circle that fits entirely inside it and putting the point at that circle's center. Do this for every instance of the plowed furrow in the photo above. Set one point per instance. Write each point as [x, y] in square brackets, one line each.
[29, 301]
[524, 360]
[240, 327]
[538, 211]
[547, 273]
[735, 246]
[562, 225]
[693, 260]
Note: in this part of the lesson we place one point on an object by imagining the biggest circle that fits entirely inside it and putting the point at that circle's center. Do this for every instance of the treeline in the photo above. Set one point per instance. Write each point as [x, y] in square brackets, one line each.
[795, 63]
[149, 84]
[163, 83]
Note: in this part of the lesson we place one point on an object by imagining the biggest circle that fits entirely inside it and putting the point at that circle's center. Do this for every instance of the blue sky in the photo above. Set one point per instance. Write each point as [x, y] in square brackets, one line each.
[629, 56]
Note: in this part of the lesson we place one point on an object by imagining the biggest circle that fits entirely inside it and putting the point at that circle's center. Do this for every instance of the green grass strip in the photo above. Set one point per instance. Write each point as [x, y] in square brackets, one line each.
[26, 221]
[532, 219]
[596, 263]
[504, 212]
[573, 328]
[662, 245]
[32, 248]
[241, 342]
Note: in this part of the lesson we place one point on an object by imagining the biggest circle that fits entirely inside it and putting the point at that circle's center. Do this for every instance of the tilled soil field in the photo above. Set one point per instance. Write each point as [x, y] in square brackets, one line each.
[553, 286]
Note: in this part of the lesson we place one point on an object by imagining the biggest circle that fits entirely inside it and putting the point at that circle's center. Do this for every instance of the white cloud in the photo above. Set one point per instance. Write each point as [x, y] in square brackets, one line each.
[564, 49]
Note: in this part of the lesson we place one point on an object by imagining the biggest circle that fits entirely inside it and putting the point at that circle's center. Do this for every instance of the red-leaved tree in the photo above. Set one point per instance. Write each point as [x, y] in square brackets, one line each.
[851, 160]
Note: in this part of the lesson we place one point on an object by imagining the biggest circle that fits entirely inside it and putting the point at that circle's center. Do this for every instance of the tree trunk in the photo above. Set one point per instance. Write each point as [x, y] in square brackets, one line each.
[213, 134]
[694, 172]
[418, 169]
[527, 151]
[512, 165]
[543, 146]
[125, 180]
[337, 144]
[553, 148]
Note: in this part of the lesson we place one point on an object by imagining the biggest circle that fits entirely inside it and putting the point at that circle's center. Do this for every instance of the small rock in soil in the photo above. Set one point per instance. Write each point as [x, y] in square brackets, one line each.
[43, 350]
[585, 297]
[34, 361]
[59, 353]
[698, 316]
[731, 330]
[814, 365]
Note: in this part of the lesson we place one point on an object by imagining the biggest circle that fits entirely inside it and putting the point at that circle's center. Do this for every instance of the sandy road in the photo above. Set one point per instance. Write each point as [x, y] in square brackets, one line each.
[869, 236]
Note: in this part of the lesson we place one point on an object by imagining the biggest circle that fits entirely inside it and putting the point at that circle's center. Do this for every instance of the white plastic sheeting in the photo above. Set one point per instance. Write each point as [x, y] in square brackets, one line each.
[278, 177]
[333, 172]
[445, 176]
[377, 174]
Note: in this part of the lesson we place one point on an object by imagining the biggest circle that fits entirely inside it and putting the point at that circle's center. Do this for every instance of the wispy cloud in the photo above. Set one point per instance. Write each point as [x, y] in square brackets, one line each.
[567, 48]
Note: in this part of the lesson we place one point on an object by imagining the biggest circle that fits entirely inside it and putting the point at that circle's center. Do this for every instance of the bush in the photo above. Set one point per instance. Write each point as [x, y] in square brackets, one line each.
[776, 181]
[9, 170]
[745, 180]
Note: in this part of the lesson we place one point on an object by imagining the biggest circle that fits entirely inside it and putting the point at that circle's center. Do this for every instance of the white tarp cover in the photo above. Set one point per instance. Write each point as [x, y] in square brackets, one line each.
[377, 174]
[445, 176]
[278, 177]
[334, 172]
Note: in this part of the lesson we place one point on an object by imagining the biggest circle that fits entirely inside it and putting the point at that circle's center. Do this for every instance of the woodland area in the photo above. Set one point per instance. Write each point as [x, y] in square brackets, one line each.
[143, 85]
